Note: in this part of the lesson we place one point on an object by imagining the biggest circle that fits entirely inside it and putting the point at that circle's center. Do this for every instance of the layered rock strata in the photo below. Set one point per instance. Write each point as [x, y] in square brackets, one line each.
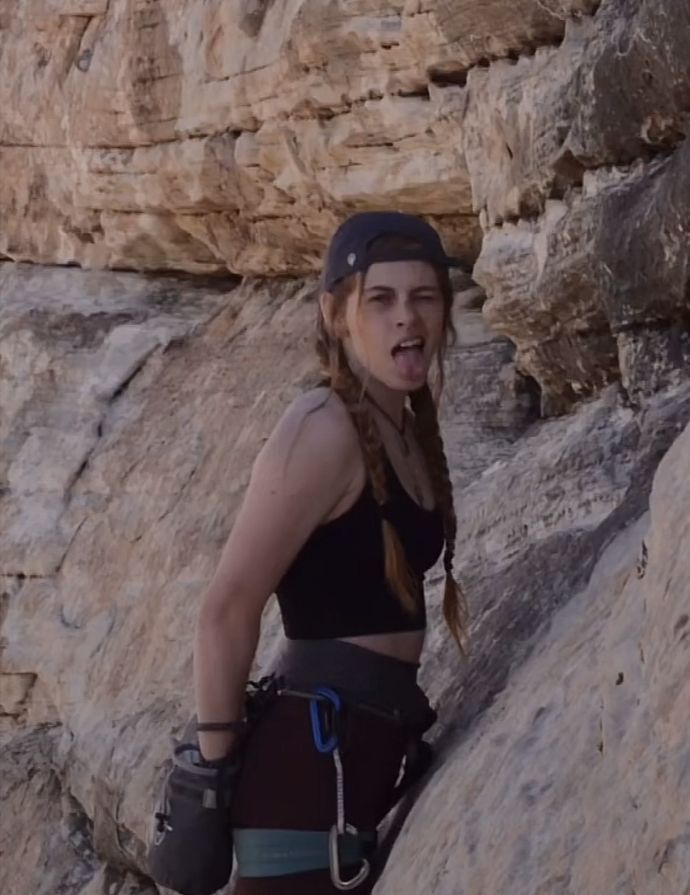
[217, 136]
[580, 164]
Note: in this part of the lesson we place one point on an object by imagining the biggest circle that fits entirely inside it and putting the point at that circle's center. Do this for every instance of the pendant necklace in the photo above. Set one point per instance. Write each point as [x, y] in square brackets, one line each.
[399, 429]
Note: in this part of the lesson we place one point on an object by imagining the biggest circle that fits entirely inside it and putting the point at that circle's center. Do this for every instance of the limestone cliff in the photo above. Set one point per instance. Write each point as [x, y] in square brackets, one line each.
[203, 151]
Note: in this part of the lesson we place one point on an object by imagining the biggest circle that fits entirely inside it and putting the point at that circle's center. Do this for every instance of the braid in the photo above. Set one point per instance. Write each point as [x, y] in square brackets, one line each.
[336, 371]
[455, 609]
[398, 575]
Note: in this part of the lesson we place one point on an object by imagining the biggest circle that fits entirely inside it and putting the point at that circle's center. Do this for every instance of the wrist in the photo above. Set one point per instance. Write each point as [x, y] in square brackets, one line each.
[217, 740]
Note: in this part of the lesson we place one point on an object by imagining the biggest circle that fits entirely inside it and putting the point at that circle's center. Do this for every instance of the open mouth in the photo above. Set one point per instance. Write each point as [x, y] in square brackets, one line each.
[409, 358]
[408, 345]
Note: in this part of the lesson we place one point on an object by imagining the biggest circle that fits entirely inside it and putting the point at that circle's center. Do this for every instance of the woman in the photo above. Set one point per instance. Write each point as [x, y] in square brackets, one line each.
[349, 503]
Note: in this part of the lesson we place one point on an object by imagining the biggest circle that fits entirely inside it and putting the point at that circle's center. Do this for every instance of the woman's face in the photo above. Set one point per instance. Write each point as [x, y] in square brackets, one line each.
[396, 330]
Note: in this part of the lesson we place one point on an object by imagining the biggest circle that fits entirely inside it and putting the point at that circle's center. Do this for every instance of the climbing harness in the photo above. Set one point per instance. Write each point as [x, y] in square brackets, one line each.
[190, 850]
[268, 852]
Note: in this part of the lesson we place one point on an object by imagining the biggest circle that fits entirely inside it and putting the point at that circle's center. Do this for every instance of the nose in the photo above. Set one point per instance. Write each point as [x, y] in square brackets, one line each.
[406, 312]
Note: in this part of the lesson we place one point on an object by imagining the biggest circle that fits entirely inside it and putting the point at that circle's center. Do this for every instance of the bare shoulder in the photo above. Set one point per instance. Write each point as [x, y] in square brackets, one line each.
[318, 418]
[315, 434]
[323, 400]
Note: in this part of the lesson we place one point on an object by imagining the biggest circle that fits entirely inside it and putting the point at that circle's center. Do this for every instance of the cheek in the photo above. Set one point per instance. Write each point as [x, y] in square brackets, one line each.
[360, 327]
[367, 338]
[361, 341]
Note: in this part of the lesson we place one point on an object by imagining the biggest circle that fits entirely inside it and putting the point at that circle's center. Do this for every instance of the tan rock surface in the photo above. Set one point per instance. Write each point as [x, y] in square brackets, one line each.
[614, 92]
[235, 135]
[204, 135]
[109, 550]
[59, 857]
[584, 304]
[576, 779]
[577, 159]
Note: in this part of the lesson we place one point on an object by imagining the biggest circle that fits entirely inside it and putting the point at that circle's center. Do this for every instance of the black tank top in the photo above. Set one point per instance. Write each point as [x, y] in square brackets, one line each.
[336, 585]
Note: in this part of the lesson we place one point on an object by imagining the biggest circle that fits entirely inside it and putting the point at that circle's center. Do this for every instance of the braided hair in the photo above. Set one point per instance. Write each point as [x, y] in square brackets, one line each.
[338, 374]
[428, 432]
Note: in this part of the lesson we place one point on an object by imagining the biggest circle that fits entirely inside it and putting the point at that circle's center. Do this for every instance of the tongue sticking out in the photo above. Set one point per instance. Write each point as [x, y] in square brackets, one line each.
[410, 363]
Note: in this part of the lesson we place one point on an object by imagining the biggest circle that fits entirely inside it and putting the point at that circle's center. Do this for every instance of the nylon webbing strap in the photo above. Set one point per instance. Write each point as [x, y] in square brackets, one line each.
[281, 852]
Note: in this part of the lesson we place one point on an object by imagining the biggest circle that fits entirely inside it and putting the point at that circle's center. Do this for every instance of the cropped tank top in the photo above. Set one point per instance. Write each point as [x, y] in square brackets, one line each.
[336, 585]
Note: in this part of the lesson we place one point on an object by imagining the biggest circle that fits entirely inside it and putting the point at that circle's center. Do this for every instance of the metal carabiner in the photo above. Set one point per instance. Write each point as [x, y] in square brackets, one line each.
[334, 860]
[325, 743]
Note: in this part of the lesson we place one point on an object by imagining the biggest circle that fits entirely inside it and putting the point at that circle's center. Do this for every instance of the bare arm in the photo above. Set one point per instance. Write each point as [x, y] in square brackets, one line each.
[303, 470]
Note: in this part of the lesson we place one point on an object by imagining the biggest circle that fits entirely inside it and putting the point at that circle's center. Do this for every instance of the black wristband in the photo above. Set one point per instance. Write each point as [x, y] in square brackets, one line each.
[207, 726]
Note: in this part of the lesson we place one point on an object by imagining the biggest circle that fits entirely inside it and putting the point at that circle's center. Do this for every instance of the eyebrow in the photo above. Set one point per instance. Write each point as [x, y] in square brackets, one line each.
[383, 288]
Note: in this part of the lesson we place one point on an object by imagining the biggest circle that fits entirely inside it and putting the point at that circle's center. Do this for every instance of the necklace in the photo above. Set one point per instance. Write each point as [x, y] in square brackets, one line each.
[399, 429]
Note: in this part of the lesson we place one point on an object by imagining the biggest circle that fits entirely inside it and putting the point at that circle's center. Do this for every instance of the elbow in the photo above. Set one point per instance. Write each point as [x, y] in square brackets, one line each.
[229, 615]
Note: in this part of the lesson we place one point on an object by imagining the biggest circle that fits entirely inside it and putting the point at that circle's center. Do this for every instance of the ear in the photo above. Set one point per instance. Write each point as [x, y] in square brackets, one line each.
[334, 321]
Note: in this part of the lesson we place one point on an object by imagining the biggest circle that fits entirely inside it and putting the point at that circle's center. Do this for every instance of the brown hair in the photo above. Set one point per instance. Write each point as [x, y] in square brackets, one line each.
[340, 377]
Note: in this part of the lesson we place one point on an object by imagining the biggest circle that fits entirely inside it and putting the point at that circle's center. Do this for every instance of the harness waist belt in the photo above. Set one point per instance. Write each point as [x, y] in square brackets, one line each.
[360, 676]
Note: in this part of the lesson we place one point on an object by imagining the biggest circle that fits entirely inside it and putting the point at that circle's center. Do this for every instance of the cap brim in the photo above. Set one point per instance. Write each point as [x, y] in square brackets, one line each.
[415, 255]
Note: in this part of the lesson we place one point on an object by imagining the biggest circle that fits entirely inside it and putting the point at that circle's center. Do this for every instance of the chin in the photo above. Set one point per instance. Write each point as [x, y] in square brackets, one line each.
[414, 386]
[409, 385]
[396, 383]
[392, 384]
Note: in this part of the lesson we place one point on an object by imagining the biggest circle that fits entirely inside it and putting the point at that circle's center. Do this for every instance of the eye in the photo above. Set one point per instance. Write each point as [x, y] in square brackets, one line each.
[380, 297]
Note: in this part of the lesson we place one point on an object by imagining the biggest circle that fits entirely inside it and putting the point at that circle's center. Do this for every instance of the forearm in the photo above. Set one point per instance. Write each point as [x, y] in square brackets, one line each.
[223, 652]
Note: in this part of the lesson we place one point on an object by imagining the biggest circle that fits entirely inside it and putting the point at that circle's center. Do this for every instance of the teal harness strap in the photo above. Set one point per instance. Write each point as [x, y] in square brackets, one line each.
[263, 853]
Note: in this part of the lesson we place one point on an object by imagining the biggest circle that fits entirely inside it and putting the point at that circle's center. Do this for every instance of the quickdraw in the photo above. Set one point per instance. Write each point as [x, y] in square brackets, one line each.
[325, 708]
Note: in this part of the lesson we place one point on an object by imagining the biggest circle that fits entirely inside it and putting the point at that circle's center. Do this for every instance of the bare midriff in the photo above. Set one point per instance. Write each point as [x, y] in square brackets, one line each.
[403, 645]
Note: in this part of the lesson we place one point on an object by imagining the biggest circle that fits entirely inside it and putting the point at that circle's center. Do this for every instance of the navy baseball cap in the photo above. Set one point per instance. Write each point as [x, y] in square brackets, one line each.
[348, 251]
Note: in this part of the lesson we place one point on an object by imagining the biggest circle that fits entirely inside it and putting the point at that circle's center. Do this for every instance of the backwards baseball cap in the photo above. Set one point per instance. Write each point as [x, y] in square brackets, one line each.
[349, 249]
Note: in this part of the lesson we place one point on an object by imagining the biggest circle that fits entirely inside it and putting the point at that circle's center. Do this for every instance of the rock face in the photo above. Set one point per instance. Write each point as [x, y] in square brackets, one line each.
[215, 136]
[218, 142]
[575, 780]
[577, 158]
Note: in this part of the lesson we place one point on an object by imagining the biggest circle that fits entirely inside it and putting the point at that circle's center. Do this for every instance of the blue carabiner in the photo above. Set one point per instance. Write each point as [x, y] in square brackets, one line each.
[322, 744]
